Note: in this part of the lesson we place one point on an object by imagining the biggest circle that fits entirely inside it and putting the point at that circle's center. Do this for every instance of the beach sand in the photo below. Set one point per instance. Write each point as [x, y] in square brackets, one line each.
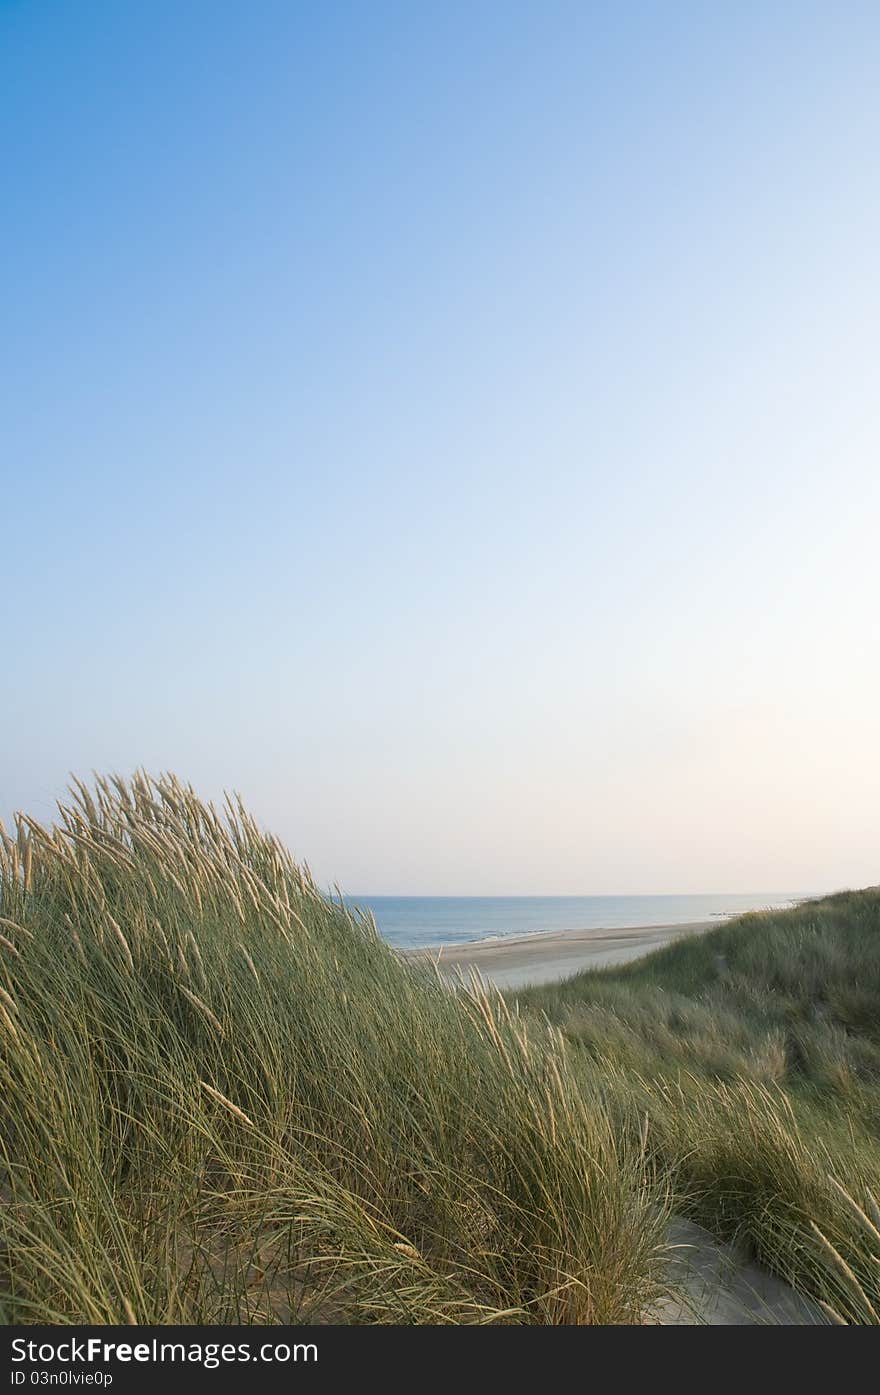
[719, 1286]
[553, 955]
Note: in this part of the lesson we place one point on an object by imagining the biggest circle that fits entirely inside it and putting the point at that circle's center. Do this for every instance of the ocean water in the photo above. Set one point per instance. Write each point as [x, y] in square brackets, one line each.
[419, 921]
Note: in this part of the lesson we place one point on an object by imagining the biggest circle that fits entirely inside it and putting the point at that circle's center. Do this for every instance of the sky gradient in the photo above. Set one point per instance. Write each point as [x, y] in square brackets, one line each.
[454, 426]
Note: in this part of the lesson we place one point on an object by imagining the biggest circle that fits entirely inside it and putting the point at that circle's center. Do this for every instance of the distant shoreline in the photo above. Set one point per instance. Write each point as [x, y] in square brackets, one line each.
[545, 956]
[567, 931]
[427, 922]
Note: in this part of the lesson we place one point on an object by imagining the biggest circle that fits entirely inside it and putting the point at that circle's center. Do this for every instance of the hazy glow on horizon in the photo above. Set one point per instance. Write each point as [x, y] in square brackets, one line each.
[455, 427]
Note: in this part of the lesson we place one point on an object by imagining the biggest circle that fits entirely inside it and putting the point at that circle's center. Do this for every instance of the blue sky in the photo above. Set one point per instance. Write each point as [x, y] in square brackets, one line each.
[455, 426]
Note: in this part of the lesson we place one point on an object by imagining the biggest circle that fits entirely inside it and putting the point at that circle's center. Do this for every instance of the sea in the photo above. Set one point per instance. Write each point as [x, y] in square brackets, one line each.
[412, 922]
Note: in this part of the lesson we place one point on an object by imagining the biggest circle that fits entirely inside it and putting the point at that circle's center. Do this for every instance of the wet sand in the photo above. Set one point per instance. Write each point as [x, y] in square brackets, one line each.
[545, 957]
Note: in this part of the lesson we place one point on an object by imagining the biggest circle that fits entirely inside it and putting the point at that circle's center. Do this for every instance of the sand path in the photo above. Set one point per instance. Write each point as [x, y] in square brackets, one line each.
[720, 1287]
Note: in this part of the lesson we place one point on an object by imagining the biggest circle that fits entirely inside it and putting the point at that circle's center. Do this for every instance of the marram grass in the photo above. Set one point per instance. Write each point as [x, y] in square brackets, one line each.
[754, 1053]
[224, 1099]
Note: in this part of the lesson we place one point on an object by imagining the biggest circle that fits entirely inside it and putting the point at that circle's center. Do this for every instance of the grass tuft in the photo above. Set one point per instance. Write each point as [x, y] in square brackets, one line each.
[754, 1053]
[224, 1099]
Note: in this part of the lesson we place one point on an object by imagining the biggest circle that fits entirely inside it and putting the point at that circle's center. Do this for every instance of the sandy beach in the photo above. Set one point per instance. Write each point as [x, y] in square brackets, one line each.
[545, 957]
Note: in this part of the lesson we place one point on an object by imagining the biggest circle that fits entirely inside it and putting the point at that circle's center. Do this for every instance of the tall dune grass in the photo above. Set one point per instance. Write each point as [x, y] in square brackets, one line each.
[754, 1052]
[224, 1099]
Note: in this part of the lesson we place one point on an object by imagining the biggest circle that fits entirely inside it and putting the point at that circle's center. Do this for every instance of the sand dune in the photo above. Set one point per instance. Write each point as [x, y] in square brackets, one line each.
[717, 1285]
